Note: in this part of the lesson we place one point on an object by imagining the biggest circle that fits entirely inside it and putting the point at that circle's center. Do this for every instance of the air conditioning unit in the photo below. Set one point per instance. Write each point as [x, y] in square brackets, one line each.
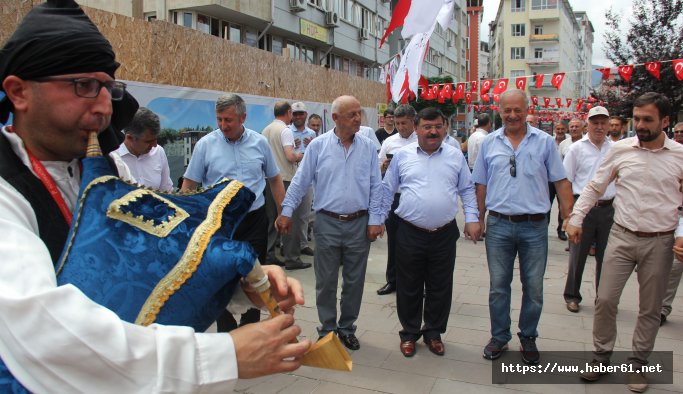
[297, 5]
[331, 19]
[363, 33]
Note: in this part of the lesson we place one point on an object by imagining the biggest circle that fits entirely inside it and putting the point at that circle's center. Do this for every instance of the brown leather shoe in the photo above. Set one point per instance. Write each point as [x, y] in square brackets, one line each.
[408, 348]
[435, 346]
[572, 307]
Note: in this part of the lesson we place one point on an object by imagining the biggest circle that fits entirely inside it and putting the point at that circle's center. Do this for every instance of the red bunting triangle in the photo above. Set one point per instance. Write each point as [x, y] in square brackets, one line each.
[605, 73]
[539, 80]
[557, 80]
[626, 71]
[653, 68]
[520, 83]
[678, 68]
[501, 86]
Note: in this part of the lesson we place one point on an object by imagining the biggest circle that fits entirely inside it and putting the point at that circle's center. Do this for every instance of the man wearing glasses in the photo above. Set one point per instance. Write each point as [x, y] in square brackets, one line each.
[57, 74]
[511, 174]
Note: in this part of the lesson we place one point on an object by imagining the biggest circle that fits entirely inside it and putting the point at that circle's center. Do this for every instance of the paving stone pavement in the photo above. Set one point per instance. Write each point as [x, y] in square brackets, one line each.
[379, 366]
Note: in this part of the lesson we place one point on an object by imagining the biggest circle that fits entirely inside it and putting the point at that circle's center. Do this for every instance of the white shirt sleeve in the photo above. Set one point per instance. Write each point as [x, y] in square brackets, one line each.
[287, 137]
[122, 167]
[54, 339]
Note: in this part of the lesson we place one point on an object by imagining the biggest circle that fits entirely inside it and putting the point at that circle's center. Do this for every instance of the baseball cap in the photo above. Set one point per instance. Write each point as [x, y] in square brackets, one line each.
[598, 111]
[299, 107]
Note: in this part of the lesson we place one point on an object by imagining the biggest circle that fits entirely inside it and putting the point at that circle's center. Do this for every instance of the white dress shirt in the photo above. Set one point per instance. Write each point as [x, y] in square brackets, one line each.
[56, 340]
[564, 147]
[149, 169]
[393, 143]
[473, 144]
[582, 161]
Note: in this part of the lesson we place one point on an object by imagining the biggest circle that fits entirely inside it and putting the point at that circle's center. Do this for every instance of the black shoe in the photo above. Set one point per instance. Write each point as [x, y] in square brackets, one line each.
[530, 354]
[562, 235]
[662, 319]
[350, 341]
[275, 261]
[307, 251]
[296, 265]
[494, 349]
[386, 289]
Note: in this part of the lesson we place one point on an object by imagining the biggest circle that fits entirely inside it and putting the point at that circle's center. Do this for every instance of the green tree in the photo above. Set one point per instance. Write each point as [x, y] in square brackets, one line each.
[655, 33]
[448, 108]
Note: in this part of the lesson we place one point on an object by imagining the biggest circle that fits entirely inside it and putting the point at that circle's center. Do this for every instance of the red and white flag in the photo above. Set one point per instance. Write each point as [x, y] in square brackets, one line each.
[569, 102]
[459, 92]
[605, 73]
[539, 80]
[579, 104]
[485, 97]
[496, 97]
[678, 68]
[520, 83]
[486, 86]
[501, 86]
[626, 71]
[546, 102]
[558, 101]
[473, 86]
[447, 90]
[534, 100]
[468, 98]
[653, 68]
[557, 80]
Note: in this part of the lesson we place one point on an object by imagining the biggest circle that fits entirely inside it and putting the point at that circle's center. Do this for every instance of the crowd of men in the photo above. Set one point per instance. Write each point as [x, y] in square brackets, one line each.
[618, 195]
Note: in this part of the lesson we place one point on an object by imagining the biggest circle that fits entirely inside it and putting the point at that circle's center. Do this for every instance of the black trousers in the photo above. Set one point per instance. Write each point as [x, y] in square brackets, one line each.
[552, 193]
[424, 265]
[391, 225]
[253, 229]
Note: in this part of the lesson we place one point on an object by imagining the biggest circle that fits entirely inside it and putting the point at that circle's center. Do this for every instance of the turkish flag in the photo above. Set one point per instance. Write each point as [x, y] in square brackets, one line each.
[441, 97]
[605, 73]
[539, 80]
[459, 92]
[422, 83]
[579, 104]
[388, 82]
[569, 102]
[435, 89]
[397, 18]
[447, 90]
[496, 97]
[625, 72]
[558, 101]
[501, 86]
[486, 86]
[557, 80]
[653, 68]
[534, 100]
[476, 108]
[678, 68]
[430, 95]
[468, 98]
[531, 110]
[546, 102]
[520, 83]
[469, 107]
[473, 86]
[589, 106]
[485, 98]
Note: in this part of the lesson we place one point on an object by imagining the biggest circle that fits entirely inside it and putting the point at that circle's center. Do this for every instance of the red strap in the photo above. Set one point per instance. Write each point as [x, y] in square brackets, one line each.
[51, 186]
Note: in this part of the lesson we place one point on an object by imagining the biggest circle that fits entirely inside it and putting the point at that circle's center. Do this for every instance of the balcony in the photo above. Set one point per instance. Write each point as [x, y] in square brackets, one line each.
[543, 62]
[551, 14]
[544, 38]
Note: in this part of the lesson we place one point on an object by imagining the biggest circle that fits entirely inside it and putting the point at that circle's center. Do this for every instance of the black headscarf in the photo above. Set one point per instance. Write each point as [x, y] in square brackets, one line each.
[57, 38]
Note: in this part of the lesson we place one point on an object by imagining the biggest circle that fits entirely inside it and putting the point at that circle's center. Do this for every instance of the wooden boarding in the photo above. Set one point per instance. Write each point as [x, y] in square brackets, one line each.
[328, 352]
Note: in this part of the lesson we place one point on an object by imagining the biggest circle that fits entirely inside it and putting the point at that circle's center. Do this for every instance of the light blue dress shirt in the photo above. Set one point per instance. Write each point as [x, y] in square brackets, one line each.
[429, 186]
[537, 161]
[344, 181]
[300, 135]
[248, 160]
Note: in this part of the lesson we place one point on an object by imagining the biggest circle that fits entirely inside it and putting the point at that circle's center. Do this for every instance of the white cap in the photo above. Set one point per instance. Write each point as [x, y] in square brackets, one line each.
[598, 111]
[476, 122]
[299, 107]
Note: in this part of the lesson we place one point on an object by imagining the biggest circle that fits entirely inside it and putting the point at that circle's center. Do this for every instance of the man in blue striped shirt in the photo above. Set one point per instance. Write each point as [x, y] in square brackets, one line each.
[342, 166]
[430, 176]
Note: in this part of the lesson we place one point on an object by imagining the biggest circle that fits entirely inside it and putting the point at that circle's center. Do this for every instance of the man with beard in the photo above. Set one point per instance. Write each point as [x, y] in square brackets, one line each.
[404, 120]
[146, 160]
[389, 128]
[57, 73]
[512, 172]
[430, 176]
[648, 174]
[581, 163]
[616, 128]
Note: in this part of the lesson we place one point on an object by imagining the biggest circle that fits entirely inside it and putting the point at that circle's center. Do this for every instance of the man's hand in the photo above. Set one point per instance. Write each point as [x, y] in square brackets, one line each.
[385, 165]
[264, 348]
[375, 231]
[573, 232]
[283, 224]
[473, 231]
[286, 290]
[307, 141]
[297, 143]
[678, 249]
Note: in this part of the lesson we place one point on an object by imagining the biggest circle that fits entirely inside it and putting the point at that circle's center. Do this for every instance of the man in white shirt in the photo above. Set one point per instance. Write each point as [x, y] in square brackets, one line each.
[59, 85]
[582, 161]
[475, 140]
[575, 134]
[146, 160]
[404, 122]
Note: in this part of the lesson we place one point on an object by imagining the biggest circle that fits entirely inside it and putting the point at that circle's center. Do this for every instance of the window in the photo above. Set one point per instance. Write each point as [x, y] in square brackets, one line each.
[367, 19]
[518, 5]
[543, 4]
[203, 23]
[215, 27]
[516, 73]
[150, 16]
[518, 30]
[517, 53]
[380, 26]
[538, 29]
[276, 45]
[187, 19]
[538, 53]
[251, 38]
[235, 33]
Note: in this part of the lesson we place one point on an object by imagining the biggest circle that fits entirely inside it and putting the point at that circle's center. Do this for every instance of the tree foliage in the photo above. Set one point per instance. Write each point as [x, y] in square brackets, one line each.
[654, 33]
[447, 108]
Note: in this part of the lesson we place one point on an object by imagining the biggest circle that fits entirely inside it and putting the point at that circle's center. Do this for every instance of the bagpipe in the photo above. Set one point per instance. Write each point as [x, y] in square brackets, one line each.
[164, 258]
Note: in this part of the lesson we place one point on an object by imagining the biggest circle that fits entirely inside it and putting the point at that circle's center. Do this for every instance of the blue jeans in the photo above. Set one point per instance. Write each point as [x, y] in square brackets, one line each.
[504, 240]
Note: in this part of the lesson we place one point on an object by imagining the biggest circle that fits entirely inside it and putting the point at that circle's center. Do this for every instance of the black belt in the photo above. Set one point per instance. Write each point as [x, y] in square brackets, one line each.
[645, 234]
[535, 217]
[346, 217]
[424, 230]
[600, 203]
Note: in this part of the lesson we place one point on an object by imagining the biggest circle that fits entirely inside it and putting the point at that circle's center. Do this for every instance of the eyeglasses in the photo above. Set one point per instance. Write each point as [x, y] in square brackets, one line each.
[90, 87]
[429, 127]
[678, 131]
[513, 166]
